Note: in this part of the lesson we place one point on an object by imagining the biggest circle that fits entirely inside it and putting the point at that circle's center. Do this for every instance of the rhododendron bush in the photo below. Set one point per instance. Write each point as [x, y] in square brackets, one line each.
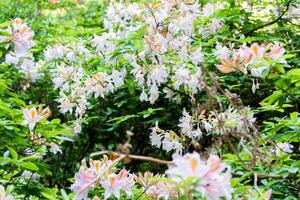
[150, 99]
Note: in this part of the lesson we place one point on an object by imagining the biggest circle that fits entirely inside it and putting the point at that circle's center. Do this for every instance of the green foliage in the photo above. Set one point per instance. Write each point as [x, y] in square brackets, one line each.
[256, 167]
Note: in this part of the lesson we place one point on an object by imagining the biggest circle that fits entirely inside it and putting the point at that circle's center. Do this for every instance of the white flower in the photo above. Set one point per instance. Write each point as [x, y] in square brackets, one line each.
[186, 124]
[285, 147]
[118, 77]
[11, 58]
[138, 72]
[54, 52]
[258, 71]
[169, 93]
[65, 104]
[153, 94]
[143, 96]
[208, 127]
[196, 56]
[177, 146]
[29, 175]
[222, 52]
[33, 116]
[181, 76]
[167, 143]
[197, 133]
[155, 137]
[112, 186]
[54, 148]
[29, 68]
[159, 75]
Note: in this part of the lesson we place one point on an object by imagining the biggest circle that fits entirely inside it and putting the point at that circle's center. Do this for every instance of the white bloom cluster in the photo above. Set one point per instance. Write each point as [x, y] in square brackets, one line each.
[20, 35]
[76, 86]
[187, 124]
[193, 126]
[169, 140]
[151, 68]
[211, 8]
[69, 52]
[285, 147]
[232, 120]
[103, 83]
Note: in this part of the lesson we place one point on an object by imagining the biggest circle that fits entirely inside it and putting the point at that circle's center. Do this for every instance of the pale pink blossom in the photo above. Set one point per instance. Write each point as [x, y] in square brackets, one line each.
[114, 183]
[210, 180]
[84, 181]
[21, 37]
[3, 195]
[33, 116]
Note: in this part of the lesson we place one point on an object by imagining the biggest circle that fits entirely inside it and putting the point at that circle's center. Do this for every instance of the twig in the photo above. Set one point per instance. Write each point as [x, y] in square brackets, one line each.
[271, 22]
[135, 157]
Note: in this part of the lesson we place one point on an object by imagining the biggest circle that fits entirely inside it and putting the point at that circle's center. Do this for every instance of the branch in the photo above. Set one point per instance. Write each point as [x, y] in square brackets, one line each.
[134, 157]
[263, 176]
[271, 22]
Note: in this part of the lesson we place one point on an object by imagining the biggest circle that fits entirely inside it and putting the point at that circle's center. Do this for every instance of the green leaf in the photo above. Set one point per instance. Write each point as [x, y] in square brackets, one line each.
[64, 194]
[294, 116]
[29, 165]
[50, 193]
[4, 33]
[13, 153]
[294, 72]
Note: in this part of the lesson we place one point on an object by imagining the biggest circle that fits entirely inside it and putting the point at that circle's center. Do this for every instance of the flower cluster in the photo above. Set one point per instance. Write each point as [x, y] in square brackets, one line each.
[101, 172]
[21, 37]
[151, 67]
[194, 126]
[76, 86]
[250, 58]
[208, 176]
[68, 52]
[74, 83]
[169, 140]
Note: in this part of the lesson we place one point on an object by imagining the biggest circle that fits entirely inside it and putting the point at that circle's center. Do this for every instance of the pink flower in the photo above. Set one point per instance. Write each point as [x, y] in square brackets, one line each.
[268, 194]
[3, 195]
[115, 183]
[21, 37]
[216, 187]
[84, 180]
[235, 63]
[33, 116]
[275, 52]
[186, 166]
[210, 180]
